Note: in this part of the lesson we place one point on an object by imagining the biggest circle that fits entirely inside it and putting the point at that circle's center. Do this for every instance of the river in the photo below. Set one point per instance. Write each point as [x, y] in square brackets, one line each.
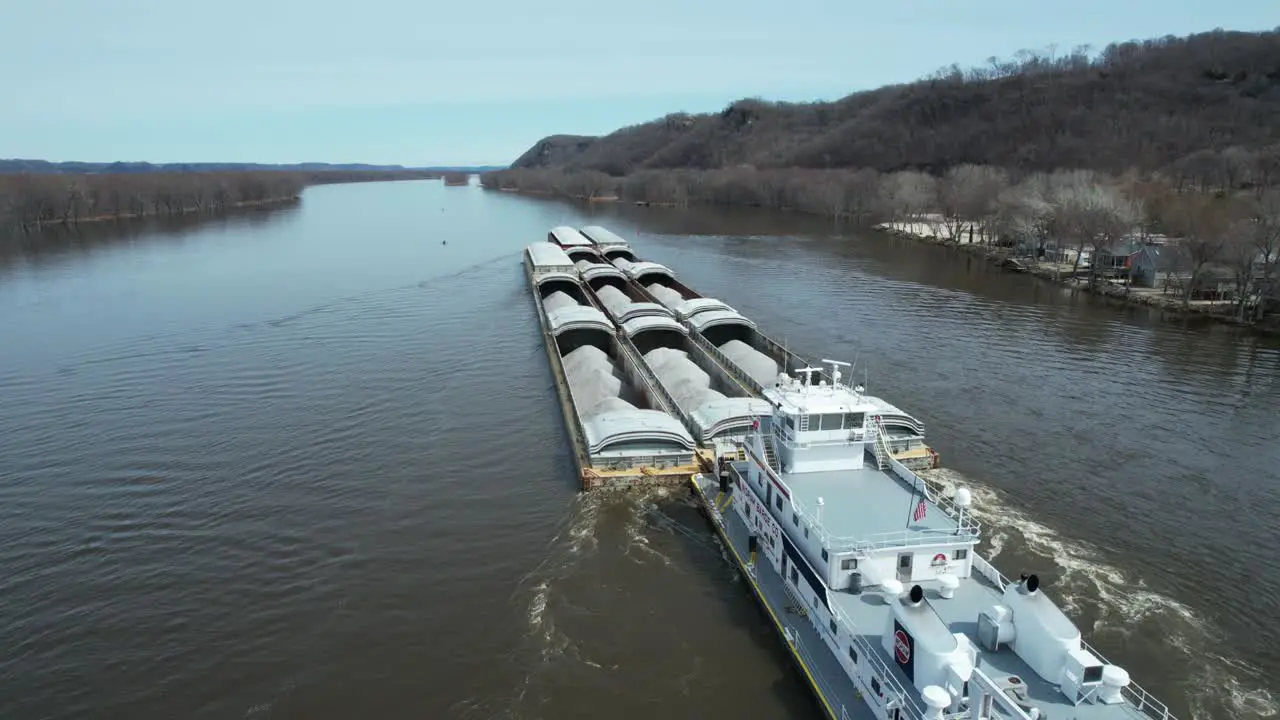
[309, 463]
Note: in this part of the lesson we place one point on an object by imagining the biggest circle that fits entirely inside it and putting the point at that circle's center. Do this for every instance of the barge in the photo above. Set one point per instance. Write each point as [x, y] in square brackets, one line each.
[709, 398]
[611, 246]
[622, 428]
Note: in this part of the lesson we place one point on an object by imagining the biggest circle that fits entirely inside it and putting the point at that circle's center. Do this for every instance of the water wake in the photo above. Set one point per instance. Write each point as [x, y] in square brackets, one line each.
[1109, 602]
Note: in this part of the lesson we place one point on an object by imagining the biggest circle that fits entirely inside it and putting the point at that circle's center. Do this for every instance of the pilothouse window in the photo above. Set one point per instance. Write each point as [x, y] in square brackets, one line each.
[853, 421]
[829, 421]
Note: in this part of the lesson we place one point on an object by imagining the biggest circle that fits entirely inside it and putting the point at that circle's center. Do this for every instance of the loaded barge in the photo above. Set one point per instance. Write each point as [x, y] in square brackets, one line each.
[737, 344]
[622, 429]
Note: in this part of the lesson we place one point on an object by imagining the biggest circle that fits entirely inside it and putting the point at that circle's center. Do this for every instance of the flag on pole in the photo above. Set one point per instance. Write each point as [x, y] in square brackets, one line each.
[755, 424]
[921, 511]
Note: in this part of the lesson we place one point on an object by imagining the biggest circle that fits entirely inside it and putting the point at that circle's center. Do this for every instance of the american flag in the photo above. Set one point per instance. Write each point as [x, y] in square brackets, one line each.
[921, 510]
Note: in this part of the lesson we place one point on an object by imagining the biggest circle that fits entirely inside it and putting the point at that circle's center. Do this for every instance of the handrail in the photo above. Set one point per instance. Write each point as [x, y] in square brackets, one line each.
[650, 383]
[934, 494]
[1146, 703]
[746, 380]
[886, 677]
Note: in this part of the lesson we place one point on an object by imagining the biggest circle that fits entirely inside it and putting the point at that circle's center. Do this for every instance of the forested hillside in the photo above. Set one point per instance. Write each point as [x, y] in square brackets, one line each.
[1135, 105]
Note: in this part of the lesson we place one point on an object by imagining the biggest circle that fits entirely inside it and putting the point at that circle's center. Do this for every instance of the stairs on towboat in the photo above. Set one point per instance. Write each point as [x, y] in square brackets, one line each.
[796, 606]
[769, 455]
[880, 446]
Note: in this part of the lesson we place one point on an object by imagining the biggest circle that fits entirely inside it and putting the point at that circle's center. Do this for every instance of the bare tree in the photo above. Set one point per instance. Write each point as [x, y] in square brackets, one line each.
[1202, 222]
[967, 195]
[1266, 168]
[1266, 243]
[1023, 213]
[1239, 253]
[1089, 214]
[862, 196]
[909, 195]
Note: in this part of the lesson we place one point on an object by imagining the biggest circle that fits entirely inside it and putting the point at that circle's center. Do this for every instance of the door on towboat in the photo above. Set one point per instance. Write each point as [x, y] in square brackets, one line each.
[904, 567]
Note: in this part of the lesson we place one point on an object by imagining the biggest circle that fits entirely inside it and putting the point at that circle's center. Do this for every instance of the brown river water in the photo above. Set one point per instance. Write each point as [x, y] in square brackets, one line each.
[308, 463]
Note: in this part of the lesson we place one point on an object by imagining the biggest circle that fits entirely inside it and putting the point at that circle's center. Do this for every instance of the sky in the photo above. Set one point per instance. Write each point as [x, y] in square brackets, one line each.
[425, 82]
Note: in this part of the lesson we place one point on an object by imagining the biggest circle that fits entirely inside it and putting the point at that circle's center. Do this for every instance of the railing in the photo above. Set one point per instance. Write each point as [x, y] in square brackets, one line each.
[910, 711]
[770, 454]
[645, 380]
[681, 459]
[934, 494]
[881, 446]
[751, 451]
[886, 677]
[1145, 702]
[737, 373]
[989, 572]
[895, 538]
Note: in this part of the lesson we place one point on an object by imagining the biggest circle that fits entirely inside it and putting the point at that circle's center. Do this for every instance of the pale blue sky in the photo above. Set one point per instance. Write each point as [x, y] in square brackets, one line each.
[429, 82]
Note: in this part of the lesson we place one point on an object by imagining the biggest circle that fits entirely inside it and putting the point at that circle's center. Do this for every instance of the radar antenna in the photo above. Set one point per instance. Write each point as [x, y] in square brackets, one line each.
[807, 371]
[835, 370]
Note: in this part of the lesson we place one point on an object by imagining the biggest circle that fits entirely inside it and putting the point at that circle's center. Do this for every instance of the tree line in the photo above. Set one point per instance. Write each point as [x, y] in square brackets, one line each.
[33, 201]
[1217, 226]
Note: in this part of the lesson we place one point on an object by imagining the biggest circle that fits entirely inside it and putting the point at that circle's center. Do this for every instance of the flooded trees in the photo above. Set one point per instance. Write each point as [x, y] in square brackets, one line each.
[31, 201]
[967, 197]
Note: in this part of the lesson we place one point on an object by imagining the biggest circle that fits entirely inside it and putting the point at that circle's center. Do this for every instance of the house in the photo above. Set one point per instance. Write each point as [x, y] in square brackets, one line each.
[1164, 267]
[1064, 255]
[1155, 266]
[1116, 261]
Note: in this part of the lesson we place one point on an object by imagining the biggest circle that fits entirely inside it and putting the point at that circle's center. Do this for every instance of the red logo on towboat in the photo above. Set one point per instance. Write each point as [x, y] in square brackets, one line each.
[902, 647]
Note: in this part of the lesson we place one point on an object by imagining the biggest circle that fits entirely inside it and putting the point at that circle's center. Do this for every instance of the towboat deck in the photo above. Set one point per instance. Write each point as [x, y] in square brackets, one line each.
[870, 612]
[836, 693]
[862, 497]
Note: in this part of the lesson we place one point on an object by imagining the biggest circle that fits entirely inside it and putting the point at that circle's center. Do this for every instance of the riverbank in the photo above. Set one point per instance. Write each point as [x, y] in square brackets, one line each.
[1076, 279]
[33, 202]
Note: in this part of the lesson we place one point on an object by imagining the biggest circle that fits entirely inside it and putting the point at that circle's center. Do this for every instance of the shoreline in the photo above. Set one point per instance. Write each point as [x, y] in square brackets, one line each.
[1120, 295]
[37, 202]
[1170, 305]
[211, 212]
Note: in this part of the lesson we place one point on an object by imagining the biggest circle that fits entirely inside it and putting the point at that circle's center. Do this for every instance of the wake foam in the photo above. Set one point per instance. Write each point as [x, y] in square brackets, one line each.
[1117, 602]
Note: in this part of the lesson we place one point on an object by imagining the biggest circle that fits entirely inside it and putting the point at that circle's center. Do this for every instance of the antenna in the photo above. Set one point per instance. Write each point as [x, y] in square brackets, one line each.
[808, 372]
[835, 370]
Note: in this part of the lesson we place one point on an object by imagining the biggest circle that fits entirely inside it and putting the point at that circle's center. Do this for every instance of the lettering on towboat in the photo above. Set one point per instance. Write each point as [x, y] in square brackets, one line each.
[763, 521]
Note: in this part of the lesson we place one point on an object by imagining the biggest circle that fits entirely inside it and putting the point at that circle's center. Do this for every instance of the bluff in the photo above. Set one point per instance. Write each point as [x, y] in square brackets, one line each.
[1135, 105]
